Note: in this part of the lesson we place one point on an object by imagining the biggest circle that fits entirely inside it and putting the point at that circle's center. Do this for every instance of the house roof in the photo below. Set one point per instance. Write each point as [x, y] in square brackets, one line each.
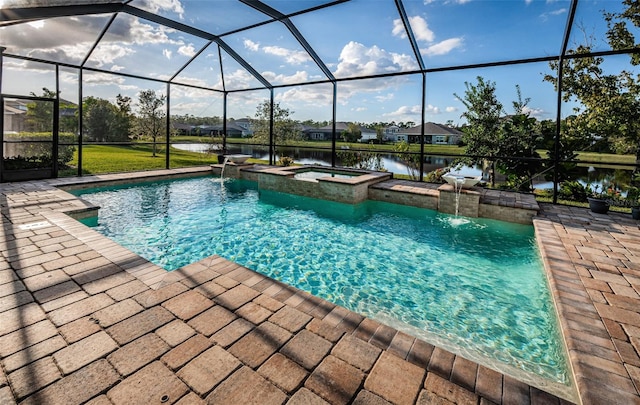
[218, 127]
[431, 128]
[340, 127]
[11, 110]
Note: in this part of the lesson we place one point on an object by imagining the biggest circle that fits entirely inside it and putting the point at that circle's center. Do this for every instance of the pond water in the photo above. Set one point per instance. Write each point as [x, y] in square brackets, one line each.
[593, 175]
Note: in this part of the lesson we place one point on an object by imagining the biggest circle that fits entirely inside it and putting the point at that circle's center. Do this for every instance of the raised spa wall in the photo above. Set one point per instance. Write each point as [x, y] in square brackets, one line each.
[381, 186]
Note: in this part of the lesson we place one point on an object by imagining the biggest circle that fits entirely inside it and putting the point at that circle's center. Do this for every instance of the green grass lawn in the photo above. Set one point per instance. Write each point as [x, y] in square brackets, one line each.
[114, 159]
[449, 150]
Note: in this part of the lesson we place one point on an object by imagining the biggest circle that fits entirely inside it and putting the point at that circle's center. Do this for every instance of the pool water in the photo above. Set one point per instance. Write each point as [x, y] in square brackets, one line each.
[477, 289]
[313, 175]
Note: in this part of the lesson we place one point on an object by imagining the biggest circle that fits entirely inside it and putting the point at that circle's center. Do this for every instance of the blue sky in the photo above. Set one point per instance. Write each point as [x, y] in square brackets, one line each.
[354, 39]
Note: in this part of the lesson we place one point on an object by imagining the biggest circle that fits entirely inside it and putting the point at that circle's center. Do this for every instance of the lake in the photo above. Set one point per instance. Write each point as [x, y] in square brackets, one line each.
[593, 175]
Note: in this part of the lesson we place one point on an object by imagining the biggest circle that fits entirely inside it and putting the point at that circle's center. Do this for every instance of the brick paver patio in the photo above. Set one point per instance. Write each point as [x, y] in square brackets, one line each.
[83, 320]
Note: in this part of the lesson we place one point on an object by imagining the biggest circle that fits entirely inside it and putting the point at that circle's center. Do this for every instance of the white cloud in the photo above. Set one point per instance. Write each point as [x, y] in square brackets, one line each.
[385, 98]
[109, 53]
[145, 34]
[442, 48]
[297, 77]
[290, 56]
[405, 113]
[128, 87]
[317, 96]
[181, 92]
[101, 79]
[162, 5]
[560, 11]
[63, 53]
[187, 50]
[250, 45]
[166, 53]
[419, 27]
[72, 38]
[203, 108]
[430, 109]
[451, 109]
[236, 80]
[424, 35]
[358, 60]
[534, 112]
[194, 81]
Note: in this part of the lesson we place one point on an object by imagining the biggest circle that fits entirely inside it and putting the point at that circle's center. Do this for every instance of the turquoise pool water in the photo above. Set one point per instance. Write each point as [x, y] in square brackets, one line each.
[315, 174]
[477, 289]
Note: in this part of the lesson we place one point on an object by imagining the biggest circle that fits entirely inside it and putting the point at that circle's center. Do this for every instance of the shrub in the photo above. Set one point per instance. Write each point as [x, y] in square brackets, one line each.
[436, 175]
[34, 148]
[286, 161]
[573, 191]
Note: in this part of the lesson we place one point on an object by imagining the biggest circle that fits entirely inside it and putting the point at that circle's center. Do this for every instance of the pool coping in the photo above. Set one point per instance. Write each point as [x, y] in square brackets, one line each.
[560, 263]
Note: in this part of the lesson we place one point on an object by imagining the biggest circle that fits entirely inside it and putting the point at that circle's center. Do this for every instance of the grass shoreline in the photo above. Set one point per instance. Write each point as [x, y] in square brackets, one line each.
[138, 156]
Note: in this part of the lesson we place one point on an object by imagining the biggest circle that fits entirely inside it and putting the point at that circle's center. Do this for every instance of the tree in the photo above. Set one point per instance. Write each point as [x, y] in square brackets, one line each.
[123, 119]
[379, 134]
[609, 103]
[151, 116]
[284, 128]
[519, 137]
[366, 160]
[352, 134]
[566, 149]
[105, 122]
[40, 113]
[98, 119]
[482, 134]
[411, 160]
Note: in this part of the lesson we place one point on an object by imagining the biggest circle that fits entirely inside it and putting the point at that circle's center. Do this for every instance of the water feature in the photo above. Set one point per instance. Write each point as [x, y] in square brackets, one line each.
[224, 165]
[457, 188]
[478, 291]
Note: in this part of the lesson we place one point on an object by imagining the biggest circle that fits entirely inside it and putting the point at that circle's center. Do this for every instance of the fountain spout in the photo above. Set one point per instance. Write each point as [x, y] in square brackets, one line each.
[224, 164]
[459, 182]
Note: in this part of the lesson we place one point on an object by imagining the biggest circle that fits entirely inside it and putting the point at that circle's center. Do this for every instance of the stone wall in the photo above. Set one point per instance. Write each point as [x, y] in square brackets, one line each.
[474, 202]
[327, 190]
[508, 214]
[428, 201]
[467, 205]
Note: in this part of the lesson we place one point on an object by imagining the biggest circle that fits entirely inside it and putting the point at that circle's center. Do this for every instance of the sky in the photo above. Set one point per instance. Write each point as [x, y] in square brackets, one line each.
[360, 38]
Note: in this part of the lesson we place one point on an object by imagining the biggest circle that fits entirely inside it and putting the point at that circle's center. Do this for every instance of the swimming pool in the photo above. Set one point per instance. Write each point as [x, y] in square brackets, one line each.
[477, 289]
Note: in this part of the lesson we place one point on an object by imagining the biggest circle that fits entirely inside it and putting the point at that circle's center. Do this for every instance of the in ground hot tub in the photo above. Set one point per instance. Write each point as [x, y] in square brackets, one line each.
[342, 185]
[315, 174]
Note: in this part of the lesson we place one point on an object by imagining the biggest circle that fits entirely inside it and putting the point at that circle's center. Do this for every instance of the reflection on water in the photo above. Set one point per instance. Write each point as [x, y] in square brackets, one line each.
[323, 157]
[584, 174]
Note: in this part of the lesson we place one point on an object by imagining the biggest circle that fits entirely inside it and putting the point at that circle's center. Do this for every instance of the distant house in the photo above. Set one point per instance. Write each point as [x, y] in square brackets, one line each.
[182, 129]
[15, 113]
[435, 134]
[325, 133]
[390, 133]
[233, 130]
[368, 135]
[245, 124]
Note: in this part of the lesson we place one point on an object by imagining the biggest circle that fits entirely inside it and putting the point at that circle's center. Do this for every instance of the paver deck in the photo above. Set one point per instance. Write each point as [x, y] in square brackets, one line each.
[83, 320]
